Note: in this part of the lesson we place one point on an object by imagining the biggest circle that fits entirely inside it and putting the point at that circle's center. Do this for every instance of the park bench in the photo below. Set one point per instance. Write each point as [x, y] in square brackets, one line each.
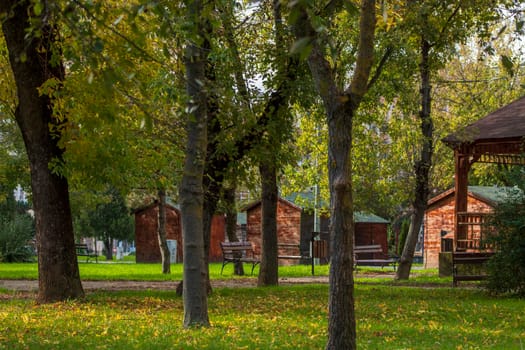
[236, 252]
[318, 250]
[379, 258]
[474, 260]
[291, 251]
[83, 250]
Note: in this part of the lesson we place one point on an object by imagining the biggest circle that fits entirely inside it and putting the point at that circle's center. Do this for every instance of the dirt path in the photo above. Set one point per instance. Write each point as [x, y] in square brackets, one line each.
[31, 286]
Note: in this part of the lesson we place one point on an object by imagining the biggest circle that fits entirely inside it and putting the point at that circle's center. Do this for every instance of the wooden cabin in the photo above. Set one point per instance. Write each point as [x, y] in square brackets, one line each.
[371, 229]
[288, 225]
[295, 226]
[146, 238]
[439, 219]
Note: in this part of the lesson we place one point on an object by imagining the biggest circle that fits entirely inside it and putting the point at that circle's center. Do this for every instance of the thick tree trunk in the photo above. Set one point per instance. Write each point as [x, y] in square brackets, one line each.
[33, 61]
[268, 272]
[163, 244]
[341, 323]
[422, 167]
[191, 188]
[340, 108]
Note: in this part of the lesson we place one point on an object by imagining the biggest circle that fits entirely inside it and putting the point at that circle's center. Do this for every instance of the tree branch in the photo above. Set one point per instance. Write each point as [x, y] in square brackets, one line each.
[380, 66]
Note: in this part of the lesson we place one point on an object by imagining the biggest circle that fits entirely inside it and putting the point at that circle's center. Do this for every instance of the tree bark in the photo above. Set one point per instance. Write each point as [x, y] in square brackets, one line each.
[422, 167]
[191, 188]
[33, 57]
[108, 243]
[163, 244]
[340, 109]
[268, 271]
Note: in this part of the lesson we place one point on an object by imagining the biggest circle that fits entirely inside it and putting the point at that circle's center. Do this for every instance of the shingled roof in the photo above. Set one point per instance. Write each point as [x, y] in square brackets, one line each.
[505, 123]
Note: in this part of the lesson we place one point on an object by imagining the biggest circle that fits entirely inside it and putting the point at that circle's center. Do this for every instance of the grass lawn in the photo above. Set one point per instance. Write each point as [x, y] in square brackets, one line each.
[149, 272]
[423, 314]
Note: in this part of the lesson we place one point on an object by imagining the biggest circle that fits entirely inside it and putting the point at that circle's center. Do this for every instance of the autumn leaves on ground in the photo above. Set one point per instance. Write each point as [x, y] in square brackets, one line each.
[427, 314]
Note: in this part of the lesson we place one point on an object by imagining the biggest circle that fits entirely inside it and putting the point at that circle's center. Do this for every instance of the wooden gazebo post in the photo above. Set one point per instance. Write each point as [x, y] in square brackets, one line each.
[462, 168]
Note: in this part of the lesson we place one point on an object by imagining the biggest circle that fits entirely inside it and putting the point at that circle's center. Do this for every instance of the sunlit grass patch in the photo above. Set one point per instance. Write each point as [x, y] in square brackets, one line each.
[285, 317]
[150, 272]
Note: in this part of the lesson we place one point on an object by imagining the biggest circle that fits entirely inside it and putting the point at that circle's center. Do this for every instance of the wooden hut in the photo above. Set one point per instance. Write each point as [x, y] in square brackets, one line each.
[288, 224]
[146, 238]
[371, 229]
[295, 226]
[439, 219]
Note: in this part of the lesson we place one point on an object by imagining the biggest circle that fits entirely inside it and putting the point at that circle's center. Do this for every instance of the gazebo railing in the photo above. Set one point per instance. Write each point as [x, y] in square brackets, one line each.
[472, 230]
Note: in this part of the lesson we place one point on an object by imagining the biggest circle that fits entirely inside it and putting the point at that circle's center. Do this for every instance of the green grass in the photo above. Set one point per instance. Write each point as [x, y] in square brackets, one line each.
[148, 272]
[292, 317]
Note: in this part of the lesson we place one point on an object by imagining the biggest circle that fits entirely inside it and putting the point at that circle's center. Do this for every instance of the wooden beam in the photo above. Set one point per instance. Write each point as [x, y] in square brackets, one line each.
[462, 167]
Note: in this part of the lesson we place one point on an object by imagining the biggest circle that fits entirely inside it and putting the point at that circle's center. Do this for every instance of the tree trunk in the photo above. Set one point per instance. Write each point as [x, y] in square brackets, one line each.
[108, 243]
[32, 54]
[422, 167]
[341, 322]
[231, 223]
[191, 188]
[268, 272]
[163, 244]
[340, 108]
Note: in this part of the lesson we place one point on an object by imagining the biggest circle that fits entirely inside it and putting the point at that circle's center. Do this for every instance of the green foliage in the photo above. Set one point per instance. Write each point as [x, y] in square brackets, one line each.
[104, 216]
[507, 267]
[17, 229]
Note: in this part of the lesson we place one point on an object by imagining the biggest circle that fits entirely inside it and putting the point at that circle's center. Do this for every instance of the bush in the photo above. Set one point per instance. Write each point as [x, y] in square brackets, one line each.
[16, 233]
[506, 269]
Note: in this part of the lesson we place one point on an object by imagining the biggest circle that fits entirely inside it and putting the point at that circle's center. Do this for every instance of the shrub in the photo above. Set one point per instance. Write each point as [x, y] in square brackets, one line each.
[16, 232]
[506, 269]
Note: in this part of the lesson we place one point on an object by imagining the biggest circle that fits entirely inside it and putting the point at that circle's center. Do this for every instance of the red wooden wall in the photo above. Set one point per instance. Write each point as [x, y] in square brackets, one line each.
[440, 217]
[146, 241]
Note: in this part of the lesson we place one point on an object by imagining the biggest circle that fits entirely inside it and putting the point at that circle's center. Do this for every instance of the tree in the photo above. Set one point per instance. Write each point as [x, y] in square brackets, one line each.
[341, 106]
[32, 40]
[125, 118]
[191, 189]
[437, 25]
[272, 145]
[109, 220]
[236, 127]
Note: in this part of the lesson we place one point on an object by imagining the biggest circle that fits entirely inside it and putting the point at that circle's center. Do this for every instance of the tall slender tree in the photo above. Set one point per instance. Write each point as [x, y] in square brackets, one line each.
[341, 105]
[33, 44]
[191, 189]
[437, 25]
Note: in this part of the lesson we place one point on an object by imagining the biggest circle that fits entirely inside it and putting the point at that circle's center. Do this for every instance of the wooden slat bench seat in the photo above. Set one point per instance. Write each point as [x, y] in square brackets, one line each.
[290, 251]
[380, 258]
[235, 252]
[83, 250]
[475, 259]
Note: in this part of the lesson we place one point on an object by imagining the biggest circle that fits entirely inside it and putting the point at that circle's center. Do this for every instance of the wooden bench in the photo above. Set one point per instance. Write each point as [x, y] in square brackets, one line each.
[83, 250]
[375, 250]
[473, 259]
[238, 252]
[290, 251]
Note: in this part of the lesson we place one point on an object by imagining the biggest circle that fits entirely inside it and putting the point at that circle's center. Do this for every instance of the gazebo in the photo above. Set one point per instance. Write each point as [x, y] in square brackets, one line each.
[497, 138]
